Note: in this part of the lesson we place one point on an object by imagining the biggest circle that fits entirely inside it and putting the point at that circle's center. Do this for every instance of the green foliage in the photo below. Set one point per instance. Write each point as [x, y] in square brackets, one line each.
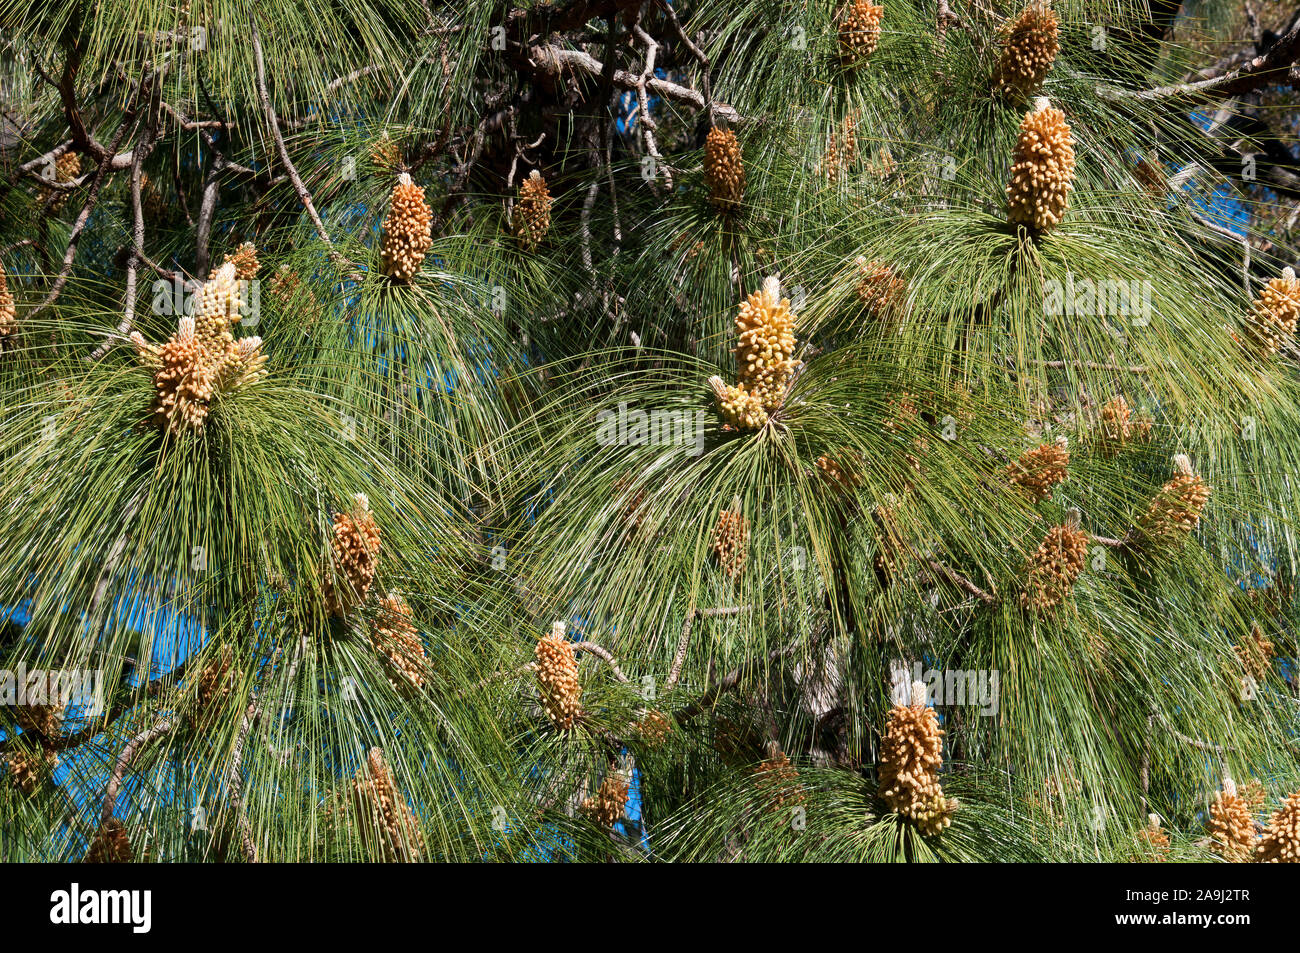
[478, 410]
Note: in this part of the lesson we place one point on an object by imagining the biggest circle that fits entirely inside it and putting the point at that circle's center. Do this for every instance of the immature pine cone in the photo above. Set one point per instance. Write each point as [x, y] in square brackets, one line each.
[881, 289]
[8, 313]
[731, 541]
[111, 845]
[1153, 842]
[1275, 312]
[395, 637]
[764, 359]
[557, 678]
[841, 151]
[383, 809]
[245, 261]
[1232, 829]
[1174, 513]
[911, 753]
[1042, 169]
[1029, 47]
[1040, 469]
[605, 807]
[724, 169]
[858, 26]
[1054, 568]
[355, 544]
[780, 780]
[1255, 653]
[202, 360]
[532, 215]
[406, 230]
[28, 770]
[1281, 841]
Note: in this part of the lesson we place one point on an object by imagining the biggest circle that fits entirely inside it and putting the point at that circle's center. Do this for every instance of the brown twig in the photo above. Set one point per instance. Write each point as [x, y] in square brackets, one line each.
[723, 685]
[683, 641]
[142, 150]
[303, 195]
[1268, 68]
[603, 654]
[645, 121]
[1121, 543]
[92, 198]
[960, 581]
[1095, 366]
[1194, 742]
[235, 782]
[553, 59]
[161, 727]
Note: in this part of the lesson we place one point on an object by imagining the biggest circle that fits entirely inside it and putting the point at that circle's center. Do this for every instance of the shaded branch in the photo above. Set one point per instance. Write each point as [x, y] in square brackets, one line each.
[160, 728]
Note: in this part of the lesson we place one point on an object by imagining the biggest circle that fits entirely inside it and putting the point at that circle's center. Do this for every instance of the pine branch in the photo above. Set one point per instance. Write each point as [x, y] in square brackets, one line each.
[304, 196]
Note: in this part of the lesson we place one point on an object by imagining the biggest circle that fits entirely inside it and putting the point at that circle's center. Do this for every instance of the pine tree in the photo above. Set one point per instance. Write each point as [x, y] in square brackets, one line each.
[463, 445]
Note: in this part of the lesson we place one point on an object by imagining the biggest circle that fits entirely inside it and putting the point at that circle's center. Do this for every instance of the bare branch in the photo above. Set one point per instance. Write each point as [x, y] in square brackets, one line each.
[602, 654]
[684, 640]
[961, 582]
[160, 728]
[551, 59]
[1269, 68]
[303, 195]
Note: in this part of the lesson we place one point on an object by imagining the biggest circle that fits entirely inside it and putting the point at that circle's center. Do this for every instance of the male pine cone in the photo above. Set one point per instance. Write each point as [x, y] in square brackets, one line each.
[382, 807]
[605, 807]
[203, 361]
[394, 636]
[731, 541]
[1029, 47]
[557, 678]
[1054, 568]
[406, 230]
[1040, 469]
[532, 216]
[1275, 312]
[1281, 841]
[1042, 170]
[1232, 829]
[911, 753]
[355, 543]
[859, 31]
[8, 313]
[1174, 513]
[724, 169]
[764, 359]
